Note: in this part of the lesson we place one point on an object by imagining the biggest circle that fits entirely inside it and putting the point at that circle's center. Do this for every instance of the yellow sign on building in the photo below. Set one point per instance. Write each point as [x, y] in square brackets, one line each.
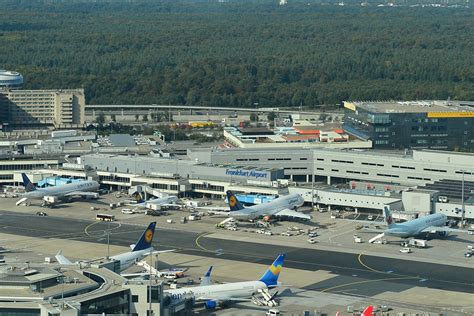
[449, 114]
[350, 106]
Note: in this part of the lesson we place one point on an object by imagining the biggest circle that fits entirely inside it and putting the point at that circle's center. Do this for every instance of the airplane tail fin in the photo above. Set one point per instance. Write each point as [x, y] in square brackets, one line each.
[146, 238]
[388, 217]
[234, 203]
[206, 279]
[27, 183]
[368, 311]
[270, 277]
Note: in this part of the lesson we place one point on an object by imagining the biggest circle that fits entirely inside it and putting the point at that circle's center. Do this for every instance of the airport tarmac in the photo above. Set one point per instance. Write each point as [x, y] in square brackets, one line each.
[335, 263]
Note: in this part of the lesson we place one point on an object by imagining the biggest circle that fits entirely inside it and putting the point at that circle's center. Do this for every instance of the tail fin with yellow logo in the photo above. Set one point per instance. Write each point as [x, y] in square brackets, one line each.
[146, 238]
[234, 203]
[270, 277]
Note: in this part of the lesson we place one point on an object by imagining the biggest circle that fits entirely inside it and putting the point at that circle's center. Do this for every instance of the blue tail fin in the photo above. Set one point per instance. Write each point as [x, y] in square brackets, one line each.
[27, 183]
[270, 277]
[206, 279]
[234, 203]
[146, 238]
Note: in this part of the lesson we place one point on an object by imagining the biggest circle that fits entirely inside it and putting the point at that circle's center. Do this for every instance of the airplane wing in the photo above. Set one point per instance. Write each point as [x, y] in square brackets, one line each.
[442, 229]
[82, 193]
[291, 213]
[61, 259]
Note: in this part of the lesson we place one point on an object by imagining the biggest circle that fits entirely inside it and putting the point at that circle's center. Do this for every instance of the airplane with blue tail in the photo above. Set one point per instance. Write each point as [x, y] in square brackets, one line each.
[86, 188]
[214, 294]
[422, 226]
[141, 249]
[283, 206]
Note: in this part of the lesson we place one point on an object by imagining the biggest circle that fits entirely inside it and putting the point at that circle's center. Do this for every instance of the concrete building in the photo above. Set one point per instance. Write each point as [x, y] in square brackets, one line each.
[34, 108]
[290, 137]
[446, 125]
[50, 289]
[390, 167]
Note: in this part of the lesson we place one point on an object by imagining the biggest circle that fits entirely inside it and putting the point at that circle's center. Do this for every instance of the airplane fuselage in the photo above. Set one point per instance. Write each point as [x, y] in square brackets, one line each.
[268, 209]
[129, 258]
[416, 226]
[62, 190]
[219, 291]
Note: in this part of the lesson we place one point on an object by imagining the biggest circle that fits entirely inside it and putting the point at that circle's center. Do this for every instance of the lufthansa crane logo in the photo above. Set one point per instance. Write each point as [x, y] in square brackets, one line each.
[232, 201]
[148, 235]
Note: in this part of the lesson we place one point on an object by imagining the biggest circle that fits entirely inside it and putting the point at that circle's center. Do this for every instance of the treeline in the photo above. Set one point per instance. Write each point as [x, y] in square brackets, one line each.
[238, 53]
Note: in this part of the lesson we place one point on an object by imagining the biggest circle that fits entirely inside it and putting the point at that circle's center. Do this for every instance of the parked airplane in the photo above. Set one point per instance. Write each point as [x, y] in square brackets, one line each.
[84, 188]
[281, 206]
[140, 250]
[214, 294]
[430, 224]
[153, 204]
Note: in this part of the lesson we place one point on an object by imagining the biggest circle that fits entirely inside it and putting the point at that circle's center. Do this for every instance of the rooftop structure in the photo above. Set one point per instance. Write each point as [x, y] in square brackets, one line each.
[10, 79]
[432, 107]
[294, 137]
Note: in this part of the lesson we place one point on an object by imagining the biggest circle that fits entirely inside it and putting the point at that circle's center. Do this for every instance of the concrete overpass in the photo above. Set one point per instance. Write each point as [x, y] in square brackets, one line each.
[149, 107]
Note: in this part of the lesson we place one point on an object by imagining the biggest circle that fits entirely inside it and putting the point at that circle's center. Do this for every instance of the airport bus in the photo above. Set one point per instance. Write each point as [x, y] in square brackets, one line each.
[105, 217]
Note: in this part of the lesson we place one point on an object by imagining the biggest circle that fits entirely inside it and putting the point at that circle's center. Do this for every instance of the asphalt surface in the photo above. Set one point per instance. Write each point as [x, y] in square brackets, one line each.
[354, 274]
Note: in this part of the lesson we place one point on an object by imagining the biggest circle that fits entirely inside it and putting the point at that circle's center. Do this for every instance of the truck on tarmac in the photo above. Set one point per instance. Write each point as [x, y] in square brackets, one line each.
[419, 243]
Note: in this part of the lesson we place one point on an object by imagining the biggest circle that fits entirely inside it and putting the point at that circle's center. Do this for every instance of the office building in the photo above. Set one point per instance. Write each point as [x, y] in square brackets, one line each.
[35, 108]
[445, 125]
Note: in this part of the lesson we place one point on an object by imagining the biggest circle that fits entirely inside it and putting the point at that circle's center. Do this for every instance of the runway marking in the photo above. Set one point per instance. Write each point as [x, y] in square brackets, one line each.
[199, 245]
[365, 282]
[359, 258]
[86, 230]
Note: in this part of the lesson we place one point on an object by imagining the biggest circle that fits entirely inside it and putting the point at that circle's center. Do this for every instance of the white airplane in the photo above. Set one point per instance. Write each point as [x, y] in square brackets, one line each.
[430, 224]
[84, 188]
[140, 250]
[167, 201]
[281, 206]
[214, 294]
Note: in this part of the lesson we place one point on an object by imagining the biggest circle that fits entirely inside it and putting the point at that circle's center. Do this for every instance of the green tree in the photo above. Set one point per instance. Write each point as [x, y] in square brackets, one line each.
[100, 118]
[113, 118]
[145, 118]
[137, 117]
[254, 117]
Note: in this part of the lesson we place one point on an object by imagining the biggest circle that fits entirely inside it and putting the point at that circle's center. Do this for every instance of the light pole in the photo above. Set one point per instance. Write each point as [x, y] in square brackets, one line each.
[462, 200]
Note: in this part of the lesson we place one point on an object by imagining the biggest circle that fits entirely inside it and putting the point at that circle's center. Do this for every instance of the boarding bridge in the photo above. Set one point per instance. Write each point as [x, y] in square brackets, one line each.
[145, 191]
[264, 298]
[148, 268]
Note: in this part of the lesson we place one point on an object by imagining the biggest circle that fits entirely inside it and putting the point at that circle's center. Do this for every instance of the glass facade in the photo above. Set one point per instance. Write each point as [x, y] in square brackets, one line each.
[403, 130]
[116, 303]
[20, 311]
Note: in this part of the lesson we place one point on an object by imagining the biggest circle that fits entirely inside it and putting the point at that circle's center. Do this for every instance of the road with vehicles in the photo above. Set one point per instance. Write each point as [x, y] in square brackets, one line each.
[353, 273]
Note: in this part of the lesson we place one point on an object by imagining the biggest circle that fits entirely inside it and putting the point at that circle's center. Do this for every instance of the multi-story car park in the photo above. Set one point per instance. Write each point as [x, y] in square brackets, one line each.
[443, 125]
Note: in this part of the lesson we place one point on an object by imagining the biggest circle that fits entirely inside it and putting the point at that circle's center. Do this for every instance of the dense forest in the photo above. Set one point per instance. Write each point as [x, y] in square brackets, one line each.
[238, 53]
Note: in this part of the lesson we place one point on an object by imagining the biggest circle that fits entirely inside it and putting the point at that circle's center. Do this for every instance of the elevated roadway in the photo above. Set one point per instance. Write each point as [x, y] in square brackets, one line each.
[119, 107]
